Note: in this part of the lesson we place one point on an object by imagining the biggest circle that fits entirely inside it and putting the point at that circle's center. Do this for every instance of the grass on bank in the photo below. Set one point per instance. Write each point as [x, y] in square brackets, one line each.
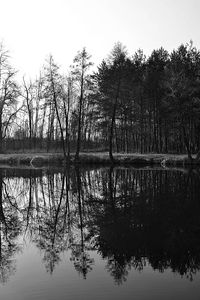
[57, 158]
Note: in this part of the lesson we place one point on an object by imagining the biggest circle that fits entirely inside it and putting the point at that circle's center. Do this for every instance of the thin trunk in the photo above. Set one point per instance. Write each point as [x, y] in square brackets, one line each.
[79, 121]
[58, 116]
[186, 142]
[113, 122]
[66, 111]
[1, 136]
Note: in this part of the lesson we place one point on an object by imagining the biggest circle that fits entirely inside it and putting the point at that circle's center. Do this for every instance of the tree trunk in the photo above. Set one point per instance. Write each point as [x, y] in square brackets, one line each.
[186, 142]
[59, 122]
[79, 121]
[112, 124]
[1, 136]
[111, 134]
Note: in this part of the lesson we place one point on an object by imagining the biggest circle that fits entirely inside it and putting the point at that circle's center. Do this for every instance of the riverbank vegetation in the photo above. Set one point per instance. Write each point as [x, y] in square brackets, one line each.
[40, 160]
[131, 103]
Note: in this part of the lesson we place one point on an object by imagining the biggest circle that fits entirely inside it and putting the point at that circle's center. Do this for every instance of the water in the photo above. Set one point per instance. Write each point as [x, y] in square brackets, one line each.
[104, 233]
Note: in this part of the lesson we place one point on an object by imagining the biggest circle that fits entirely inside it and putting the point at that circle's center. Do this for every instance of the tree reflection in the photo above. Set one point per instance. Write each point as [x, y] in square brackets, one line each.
[132, 217]
[149, 217]
[10, 227]
[80, 257]
[49, 232]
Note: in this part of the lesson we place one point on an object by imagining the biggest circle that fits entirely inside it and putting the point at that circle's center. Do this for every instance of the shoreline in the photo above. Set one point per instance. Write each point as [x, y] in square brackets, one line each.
[96, 158]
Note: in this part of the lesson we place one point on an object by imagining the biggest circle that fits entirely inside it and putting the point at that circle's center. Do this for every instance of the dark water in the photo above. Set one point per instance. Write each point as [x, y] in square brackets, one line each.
[99, 234]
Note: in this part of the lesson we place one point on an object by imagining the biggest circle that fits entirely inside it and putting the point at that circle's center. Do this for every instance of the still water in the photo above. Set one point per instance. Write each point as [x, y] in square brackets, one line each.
[103, 233]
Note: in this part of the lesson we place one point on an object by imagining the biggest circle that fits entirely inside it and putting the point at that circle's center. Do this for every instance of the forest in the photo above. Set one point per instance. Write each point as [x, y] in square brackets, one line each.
[128, 103]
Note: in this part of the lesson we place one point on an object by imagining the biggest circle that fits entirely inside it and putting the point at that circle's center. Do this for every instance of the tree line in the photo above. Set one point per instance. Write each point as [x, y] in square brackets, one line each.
[129, 104]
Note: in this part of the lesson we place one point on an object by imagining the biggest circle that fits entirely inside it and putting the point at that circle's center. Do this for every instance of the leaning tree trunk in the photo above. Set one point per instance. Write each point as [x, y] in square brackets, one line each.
[59, 122]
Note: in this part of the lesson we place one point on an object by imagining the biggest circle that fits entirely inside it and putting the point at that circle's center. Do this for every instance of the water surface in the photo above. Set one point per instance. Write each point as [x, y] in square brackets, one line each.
[104, 233]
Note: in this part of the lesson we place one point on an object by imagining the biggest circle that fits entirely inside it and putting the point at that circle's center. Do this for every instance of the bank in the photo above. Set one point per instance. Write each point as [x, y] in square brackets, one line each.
[102, 158]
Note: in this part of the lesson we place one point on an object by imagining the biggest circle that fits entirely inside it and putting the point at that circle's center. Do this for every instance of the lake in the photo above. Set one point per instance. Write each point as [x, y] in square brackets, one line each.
[99, 233]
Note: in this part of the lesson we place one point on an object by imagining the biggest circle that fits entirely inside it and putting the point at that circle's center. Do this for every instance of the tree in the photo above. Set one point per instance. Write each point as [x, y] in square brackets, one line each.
[53, 91]
[67, 97]
[111, 77]
[9, 92]
[156, 65]
[80, 74]
[182, 95]
[27, 94]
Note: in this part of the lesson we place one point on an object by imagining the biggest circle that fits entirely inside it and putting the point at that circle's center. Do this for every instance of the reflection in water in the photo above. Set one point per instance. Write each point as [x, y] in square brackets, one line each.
[10, 227]
[132, 217]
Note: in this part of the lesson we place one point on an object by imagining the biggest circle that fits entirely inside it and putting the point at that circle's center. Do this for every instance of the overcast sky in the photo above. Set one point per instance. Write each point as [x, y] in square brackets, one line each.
[32, 29]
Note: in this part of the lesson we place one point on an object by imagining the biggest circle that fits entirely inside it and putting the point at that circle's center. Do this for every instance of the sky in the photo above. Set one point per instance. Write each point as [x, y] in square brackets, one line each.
[33, 29]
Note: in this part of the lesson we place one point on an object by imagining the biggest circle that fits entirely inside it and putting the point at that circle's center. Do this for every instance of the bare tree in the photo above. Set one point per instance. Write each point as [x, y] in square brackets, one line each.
[80, 67]
[27, 94]
[54, 92]
[8, 92]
